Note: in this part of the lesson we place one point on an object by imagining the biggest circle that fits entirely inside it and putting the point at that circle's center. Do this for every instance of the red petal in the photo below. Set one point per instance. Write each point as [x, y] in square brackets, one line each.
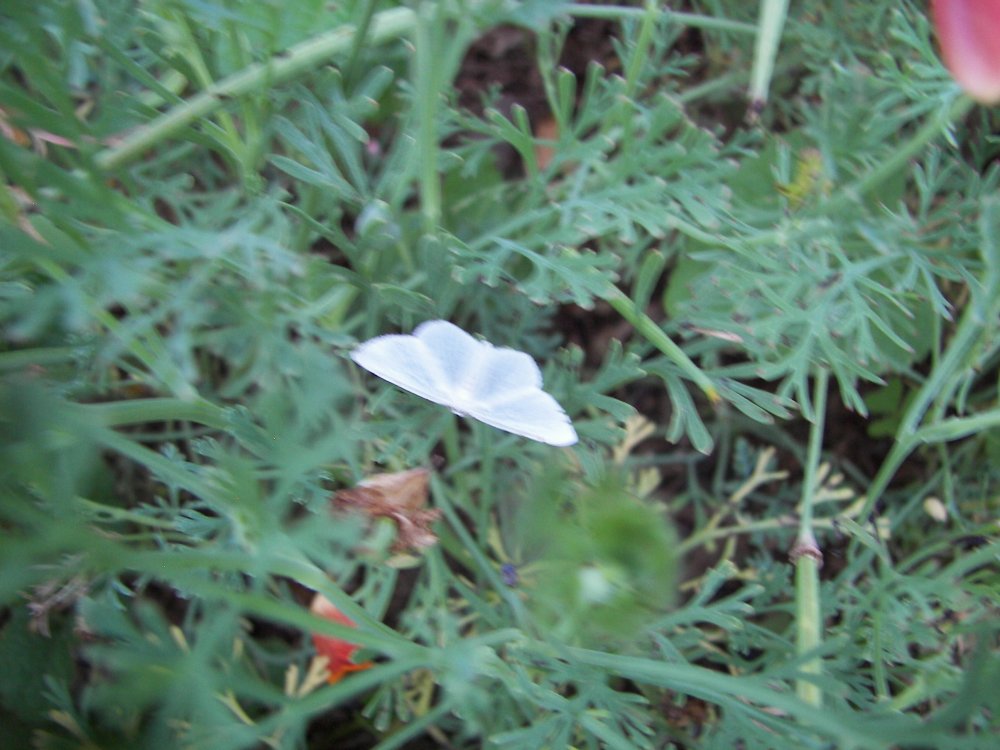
[336, 650]
[969, 34]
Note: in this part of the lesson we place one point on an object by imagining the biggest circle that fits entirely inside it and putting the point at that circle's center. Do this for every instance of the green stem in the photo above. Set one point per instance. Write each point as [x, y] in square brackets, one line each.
[452, 444]
[170, 471]
[808, 558]
[427, 41]
[954, 361]
[251, 108]
[647, 327]
[813, 453]
[139, 411]
[752, 527]
[809, 626]
[718, 84]
[633, 67]
[485, 439]
[722, 84]
[770, 25]
[640, 55]
[976, 322]
[958, 427]
[351, 68]
[693, 20]
[204, 78]
[110, 514]
[19, 359]
[299, 59]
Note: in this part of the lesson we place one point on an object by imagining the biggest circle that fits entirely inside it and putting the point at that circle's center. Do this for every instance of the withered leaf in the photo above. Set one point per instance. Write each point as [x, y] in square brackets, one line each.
[400, 496]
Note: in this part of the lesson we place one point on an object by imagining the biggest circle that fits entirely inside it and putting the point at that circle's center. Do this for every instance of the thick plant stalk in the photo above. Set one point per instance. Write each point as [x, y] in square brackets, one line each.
[769, 27]
[808, 558]
[809, 630]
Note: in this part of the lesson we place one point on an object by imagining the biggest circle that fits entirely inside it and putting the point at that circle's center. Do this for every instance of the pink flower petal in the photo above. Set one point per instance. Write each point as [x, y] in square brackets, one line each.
[969, 34]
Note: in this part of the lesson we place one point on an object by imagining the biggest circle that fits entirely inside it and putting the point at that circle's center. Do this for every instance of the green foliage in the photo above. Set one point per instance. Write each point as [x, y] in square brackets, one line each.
[205, 205]
[607, 563]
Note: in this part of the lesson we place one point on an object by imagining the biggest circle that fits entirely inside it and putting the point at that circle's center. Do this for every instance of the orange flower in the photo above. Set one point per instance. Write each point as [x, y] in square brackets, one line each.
[336, 650]
[969, 34]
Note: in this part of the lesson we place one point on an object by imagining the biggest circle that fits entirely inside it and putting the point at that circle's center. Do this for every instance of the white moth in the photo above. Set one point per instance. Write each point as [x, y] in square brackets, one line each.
[444, 364]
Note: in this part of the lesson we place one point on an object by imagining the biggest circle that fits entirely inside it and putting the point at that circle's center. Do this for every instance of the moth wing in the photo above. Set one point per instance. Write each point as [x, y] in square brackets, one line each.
[407, 362]
[500, 372]
[528, 412]
[456, 352]
[442, 363]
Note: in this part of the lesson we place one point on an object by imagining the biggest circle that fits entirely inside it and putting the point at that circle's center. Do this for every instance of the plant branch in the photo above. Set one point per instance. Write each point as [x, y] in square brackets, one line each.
[284, 66]
[647, 327]
[808, 558]
[693, 20]
[138, 411]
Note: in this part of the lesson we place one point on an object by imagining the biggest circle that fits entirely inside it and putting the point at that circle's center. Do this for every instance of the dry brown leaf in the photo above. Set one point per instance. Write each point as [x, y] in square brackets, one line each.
[400, 496]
